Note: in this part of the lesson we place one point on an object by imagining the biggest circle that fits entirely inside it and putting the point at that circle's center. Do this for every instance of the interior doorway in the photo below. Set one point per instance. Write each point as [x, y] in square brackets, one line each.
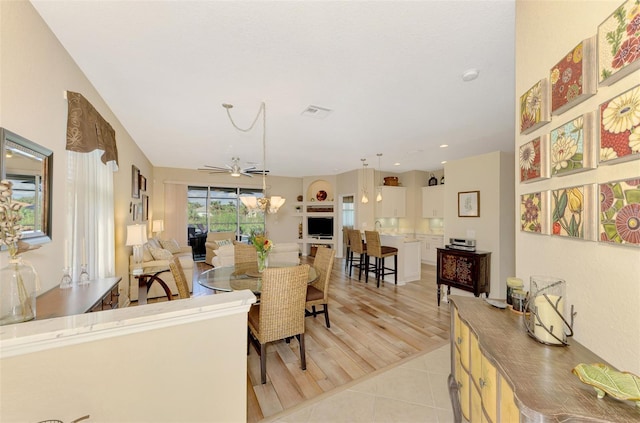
[346, 219]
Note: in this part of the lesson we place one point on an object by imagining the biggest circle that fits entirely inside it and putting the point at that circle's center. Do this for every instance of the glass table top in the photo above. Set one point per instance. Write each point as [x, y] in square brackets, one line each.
[243, 276]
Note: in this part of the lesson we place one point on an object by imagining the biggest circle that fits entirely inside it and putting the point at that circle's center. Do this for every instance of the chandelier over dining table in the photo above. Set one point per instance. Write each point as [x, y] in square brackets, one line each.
[266, 204]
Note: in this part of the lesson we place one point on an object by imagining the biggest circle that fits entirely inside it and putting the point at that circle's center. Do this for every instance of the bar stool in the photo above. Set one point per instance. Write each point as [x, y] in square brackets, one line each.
[357, 246]
[347, 245]
[380, 252]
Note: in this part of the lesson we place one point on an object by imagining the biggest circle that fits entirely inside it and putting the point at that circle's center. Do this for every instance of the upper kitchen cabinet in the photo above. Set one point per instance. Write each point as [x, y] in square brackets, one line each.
[433, 201]
[394, 202]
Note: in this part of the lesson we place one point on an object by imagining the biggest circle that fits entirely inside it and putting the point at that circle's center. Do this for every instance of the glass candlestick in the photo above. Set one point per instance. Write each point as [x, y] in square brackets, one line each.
[66, 281]
[84, 275]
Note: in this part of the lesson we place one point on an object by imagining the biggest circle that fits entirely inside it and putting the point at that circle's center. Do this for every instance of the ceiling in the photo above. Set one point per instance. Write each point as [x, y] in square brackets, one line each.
[390, 71]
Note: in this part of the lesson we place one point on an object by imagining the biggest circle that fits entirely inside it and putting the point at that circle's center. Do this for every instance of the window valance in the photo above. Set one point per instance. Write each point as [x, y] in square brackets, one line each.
[88, 131]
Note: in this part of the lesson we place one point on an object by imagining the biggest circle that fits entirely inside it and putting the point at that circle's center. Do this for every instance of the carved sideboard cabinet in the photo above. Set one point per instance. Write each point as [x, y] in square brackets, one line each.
[469, 271]
[499, 374]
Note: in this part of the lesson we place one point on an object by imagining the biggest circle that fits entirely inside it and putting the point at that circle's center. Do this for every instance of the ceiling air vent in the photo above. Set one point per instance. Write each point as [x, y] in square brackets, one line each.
[316, 112]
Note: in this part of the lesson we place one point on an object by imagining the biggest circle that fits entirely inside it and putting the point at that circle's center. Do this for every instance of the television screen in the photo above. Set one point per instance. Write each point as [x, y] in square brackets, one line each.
[320, 226]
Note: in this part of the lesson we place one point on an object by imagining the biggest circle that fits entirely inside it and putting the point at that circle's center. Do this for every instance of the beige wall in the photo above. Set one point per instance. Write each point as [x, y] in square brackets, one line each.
[492, 174]
[36, 70]
[603, 281]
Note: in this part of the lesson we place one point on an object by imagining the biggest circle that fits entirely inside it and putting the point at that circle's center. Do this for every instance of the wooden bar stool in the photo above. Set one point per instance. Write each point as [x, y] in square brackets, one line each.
[380, 252]
[357, 246]
[347, 247]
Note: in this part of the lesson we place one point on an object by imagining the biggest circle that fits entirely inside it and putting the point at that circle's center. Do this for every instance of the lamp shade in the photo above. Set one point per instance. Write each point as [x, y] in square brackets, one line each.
[157, 225]
[136, 235]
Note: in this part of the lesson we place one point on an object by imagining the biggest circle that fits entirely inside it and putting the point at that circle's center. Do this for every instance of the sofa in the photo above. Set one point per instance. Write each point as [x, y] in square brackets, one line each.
[157, 252]
[214, 241]
[284, 253]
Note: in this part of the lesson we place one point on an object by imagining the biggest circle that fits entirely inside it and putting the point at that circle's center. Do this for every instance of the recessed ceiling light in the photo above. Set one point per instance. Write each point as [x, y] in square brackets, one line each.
[443, 162]
[444, 145]
[470, 75]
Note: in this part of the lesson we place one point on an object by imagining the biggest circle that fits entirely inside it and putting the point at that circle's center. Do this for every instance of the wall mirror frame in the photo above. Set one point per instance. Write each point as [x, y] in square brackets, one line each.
[30, 167]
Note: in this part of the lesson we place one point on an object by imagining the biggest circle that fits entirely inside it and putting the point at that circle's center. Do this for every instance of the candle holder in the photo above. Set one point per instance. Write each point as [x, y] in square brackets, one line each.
[66, 281]
[84, 275]
[546, 304]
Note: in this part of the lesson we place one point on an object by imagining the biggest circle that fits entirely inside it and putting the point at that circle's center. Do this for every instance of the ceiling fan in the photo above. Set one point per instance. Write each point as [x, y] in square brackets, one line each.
[234, 169]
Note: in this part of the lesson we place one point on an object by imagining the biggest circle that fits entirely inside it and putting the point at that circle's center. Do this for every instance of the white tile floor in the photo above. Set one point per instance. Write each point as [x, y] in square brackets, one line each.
[415, 391]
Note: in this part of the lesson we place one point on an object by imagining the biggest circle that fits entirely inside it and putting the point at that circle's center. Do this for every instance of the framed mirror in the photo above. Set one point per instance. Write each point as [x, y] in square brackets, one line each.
[30, 167]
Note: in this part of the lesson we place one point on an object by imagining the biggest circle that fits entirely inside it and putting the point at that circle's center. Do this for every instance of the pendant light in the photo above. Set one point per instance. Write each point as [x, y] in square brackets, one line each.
[379, 196]
[266, 204]
[365, 198]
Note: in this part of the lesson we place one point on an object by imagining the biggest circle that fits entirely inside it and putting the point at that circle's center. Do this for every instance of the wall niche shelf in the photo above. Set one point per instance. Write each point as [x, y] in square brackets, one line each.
[318, 201]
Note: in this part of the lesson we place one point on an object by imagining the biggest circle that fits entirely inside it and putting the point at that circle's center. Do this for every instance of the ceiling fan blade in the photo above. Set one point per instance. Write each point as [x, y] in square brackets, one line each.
[255, 171]
[246, 174]
[213, 167]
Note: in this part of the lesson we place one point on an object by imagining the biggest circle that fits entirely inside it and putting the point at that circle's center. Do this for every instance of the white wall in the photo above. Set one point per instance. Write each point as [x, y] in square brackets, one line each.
[180, 361]
[603, 281]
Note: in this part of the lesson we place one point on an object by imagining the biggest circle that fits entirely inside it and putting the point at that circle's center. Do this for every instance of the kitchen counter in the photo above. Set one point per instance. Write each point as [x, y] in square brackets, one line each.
[409, 268]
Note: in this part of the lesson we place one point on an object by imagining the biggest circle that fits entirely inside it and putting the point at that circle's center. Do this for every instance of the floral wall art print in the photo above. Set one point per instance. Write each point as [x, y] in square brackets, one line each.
[534, 107]
[619, 43]
[572, 78]
[620, 212]
[533, 159]
[620, 127]
[572, 146]
[532, 212]
[572, 212]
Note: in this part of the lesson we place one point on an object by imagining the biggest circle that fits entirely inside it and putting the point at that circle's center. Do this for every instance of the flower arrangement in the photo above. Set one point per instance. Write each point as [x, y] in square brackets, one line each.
[262, 245]
[10, 228]
[261, 242]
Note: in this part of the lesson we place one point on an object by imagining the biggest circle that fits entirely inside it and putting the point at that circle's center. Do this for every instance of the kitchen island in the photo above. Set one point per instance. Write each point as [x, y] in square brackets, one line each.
[409, 264]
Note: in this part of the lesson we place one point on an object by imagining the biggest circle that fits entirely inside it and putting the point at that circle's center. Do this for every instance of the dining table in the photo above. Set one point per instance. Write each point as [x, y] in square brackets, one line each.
[242, 276]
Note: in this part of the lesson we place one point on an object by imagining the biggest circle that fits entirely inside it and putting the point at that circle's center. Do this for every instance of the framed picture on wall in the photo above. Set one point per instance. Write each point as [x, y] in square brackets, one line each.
[617, 44]
[533, 158]
[135, 182]
[469, 204]
[573, 146]
[534, 212]
[145, 207]
[620, 127]
[534, 107]
[620, 212]
[143, 183]
[573, 78]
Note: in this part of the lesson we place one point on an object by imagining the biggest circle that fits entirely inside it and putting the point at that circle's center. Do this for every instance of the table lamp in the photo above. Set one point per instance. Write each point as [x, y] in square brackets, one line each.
[136, 236]
[157, 226]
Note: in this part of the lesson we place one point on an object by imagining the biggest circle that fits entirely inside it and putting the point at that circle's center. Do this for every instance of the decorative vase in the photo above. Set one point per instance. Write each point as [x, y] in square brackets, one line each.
[262, 260]
[18, 286]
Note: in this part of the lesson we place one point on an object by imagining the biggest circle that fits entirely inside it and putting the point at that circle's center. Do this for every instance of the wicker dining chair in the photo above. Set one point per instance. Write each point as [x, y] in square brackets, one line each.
[347, 247]
[318, 291]
[358, 246]
[380, 252]
[244, 253]
[178, 275]
[280, 314]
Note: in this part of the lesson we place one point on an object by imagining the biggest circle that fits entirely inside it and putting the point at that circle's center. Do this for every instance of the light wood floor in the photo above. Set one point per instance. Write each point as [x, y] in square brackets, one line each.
[371, 329]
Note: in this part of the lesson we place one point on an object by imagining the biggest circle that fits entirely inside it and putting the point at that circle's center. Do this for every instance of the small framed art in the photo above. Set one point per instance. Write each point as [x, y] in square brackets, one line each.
[469, 204]
[620, 127]
[135, 182]
[573, 78]
[534, 107]
[533, 158]
[573, 146]
[620, 212]
[618, 43]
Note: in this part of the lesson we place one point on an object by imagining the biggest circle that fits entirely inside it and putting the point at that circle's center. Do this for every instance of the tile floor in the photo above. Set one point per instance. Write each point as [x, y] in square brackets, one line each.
[414, 391]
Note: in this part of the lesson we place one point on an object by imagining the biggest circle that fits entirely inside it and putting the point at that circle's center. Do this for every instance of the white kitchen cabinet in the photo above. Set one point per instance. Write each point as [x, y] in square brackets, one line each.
[394, 202]
[433, 201]
[429, 245]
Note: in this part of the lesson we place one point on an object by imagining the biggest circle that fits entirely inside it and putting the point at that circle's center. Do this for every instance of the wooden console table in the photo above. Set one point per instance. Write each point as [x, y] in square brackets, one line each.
[97, 295]
[469, 271]
[501, 374]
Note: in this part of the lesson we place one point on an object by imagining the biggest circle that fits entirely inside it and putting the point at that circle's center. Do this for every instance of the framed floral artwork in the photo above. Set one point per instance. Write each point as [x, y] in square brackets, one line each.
[620, 127]
[572, 212]
[572, 146]
[534, 107]
[620, 212]
[534, 212]
[533, 159]
[573, 78]
[619, 43]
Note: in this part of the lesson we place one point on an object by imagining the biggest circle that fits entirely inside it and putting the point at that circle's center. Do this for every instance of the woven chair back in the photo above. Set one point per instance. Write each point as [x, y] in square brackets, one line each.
[178, 276]
[244, 253]
[282, 302]
[355, 241]
[373, 243]
[323, 264]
